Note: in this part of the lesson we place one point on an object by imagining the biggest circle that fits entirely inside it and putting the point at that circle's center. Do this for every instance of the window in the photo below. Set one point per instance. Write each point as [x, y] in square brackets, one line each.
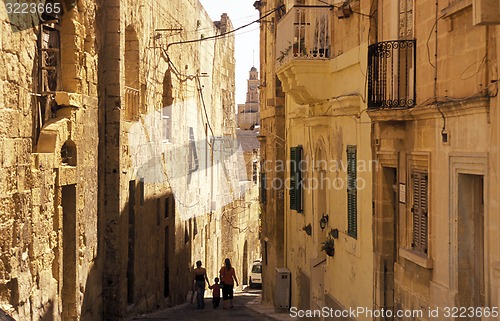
[263, 195]
[405, 19]
[166, 121]
[419, 211]
[254, 172]
[166, 108]
[296, 178]
[352, 216]
[186, 232]
[195, 227]
[193, 155]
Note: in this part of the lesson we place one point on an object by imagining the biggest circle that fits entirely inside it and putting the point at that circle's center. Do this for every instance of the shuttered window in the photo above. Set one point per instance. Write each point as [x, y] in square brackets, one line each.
[263, 195]
[419, 209]
[352, 206]
[296, 178]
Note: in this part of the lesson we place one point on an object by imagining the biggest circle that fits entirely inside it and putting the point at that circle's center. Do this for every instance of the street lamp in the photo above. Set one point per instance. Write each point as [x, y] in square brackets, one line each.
[323, 221]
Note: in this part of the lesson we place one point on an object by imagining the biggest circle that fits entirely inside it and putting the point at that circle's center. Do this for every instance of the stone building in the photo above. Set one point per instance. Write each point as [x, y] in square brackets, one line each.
[412, 89]
[48, 168]
[248, 113]
[118, 149]
[272, 152]
[167, 149]
[432, 94]
[317, 60]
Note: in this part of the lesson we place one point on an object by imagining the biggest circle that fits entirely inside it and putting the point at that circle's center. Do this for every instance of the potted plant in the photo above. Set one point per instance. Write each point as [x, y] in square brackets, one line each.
[328, 246]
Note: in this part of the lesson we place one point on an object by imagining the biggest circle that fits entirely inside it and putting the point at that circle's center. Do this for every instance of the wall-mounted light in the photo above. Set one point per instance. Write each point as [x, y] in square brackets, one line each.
[323, 221]
[307, 229]
[444, 136]
[344, 11]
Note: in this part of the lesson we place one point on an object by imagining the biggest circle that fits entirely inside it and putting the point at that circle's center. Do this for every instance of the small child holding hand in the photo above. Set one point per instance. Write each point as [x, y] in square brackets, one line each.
[215, 293]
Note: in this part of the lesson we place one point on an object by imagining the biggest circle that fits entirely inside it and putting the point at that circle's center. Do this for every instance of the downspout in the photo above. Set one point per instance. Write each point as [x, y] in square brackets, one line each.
[435, 52]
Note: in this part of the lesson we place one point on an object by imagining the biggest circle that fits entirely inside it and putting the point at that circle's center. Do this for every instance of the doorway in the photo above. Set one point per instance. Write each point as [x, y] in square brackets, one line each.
[319, 187]
[387, 236]
[245, 263]
[471, 285]
[69, 299]
[166, 281]
[131, 243]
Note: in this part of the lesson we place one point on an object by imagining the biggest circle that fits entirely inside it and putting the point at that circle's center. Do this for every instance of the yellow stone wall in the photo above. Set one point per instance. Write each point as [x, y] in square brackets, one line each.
[325, 111]
[35, 272]
[461, 103]
[171, 169]
[324, 130]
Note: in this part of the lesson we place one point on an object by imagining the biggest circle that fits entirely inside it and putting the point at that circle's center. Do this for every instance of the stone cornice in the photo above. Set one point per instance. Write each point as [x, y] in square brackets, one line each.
[452, 108]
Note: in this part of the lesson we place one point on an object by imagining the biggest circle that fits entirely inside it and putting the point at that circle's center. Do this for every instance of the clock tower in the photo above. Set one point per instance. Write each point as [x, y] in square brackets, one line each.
[248, 113]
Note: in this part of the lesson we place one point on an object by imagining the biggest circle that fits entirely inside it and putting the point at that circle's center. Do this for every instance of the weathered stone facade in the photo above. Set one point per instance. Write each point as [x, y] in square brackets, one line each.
[48, 168]
[319, 61]
[162, 148]
[118, 157]
[436, 228]
[272, 152]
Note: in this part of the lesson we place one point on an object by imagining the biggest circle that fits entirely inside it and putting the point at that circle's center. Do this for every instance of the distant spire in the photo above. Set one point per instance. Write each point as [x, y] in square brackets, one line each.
[253, 56]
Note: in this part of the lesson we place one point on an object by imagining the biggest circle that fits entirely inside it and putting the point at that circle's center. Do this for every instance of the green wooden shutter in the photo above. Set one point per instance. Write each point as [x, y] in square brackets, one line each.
[419, 209]
[352, 206]
[263, 188]
[296, 178]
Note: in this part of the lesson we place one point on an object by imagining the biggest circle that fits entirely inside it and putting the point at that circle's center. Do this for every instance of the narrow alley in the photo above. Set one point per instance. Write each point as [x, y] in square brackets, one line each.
[350, 171]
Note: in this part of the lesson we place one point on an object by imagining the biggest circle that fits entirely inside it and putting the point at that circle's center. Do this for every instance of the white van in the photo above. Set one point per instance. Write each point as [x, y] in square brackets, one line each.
[256, 273]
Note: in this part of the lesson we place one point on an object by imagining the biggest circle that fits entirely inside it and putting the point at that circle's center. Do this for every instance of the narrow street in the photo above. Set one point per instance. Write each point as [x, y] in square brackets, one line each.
[246, 307]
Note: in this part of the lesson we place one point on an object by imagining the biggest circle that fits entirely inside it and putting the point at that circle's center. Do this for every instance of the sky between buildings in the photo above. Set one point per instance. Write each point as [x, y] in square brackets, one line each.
[240, 12]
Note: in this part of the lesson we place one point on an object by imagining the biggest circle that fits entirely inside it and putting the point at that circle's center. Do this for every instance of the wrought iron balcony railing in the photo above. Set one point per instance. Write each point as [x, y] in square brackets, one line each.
[391, 74]
[304, 33]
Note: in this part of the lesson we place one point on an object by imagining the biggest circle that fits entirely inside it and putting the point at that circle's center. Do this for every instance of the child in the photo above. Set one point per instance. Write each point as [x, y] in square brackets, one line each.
[215, 293]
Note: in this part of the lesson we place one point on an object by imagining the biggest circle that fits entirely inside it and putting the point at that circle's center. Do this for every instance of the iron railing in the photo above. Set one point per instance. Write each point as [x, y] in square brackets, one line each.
[304, 33]
[391, 74]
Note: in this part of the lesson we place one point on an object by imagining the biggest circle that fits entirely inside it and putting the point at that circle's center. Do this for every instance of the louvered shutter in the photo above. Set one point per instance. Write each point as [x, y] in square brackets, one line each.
[352, 206]
[419, 209]
[296, 179]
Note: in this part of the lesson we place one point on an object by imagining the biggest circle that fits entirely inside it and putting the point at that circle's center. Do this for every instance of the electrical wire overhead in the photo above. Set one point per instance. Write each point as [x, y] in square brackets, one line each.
[223, 34]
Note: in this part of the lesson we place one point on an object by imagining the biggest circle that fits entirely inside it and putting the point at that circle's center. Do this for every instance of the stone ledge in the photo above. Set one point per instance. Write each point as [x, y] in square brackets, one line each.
[420, 260]
[69, 99]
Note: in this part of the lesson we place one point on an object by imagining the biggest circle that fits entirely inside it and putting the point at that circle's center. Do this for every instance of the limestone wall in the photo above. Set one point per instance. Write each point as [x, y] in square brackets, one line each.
[170, 154]
[451, 134]
[49, 171]
[115, 181]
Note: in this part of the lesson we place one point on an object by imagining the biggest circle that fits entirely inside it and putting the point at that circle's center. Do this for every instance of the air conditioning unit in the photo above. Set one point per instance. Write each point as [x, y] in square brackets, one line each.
[282, 290]
[486, 12]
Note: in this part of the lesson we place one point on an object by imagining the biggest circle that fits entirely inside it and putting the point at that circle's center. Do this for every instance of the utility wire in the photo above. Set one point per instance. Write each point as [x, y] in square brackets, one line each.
[223, 34]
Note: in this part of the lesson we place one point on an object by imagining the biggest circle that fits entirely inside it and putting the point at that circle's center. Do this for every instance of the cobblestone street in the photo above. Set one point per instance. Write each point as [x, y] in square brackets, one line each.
[247, 306]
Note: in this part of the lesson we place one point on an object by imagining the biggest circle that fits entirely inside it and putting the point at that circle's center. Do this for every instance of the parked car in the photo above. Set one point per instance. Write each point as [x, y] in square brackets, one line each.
[256, 274]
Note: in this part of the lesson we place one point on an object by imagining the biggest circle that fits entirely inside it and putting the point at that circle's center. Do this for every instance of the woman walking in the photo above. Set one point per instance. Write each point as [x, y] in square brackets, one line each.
[228, 277]
[199, 277]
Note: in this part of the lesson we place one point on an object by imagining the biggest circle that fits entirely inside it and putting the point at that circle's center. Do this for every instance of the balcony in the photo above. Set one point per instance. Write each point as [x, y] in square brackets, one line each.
[391, 74]
[132, 101]
[303, 50]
